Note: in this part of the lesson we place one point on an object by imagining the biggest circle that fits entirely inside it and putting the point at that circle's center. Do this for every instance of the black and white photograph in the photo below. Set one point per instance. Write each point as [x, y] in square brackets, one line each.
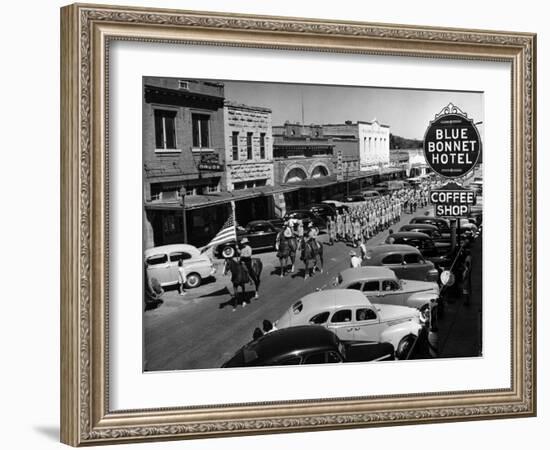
[288, 224]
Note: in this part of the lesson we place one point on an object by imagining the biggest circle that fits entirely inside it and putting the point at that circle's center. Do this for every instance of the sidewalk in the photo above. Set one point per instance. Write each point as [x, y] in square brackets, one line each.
[460, 329]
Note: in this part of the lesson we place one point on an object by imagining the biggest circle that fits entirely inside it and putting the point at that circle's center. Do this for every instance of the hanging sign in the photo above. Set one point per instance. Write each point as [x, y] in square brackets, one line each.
[452, 144]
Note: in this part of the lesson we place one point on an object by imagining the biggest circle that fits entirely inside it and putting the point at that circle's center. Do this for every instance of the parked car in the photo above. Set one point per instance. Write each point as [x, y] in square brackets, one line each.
[352, 317]
[381, 286]
[339, 206]
[435, 252]
[476, 215]
[367, 195]
[323, 210]
[442, 224]
[306, 345]
[354, 198]
[405, 260]
[261, 235]
[306, 217]
[162, 264]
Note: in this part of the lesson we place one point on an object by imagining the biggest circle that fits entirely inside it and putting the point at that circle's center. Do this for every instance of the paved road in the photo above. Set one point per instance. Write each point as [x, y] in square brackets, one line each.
[200, 330]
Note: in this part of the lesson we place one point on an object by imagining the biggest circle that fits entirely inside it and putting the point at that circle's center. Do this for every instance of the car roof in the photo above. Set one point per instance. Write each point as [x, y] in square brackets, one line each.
[287, 341]
[170, 248]
[258, 222]
[425, 226]
[427, 218]
[409, 235]
[392, 248]
[333, 298]
[366, 272]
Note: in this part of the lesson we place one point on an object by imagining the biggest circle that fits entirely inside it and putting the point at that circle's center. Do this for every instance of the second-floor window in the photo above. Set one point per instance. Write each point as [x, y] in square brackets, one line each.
[249, 145]
[262, 145]
[165, 129]
[200, 130]
[235, 145]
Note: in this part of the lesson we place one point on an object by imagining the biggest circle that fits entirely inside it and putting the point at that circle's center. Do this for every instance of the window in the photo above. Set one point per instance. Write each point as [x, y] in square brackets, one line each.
[371, 286]
[344, 315]
[316, 358]
[237, 186]
[392, 259]
[156, 260]
[289, 361]
[235, 145]
[320, 318]
[412, 258]
[200, 130]
[262, 145]
[333, 357]
[176, 256]
[249, 145]
[365, 314]
[165, 129]
[355, 286]
[182, 84]
[390, 285]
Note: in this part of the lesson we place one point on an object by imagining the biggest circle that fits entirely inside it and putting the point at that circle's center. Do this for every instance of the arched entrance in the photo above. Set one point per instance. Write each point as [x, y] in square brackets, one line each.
[319, 171]
[295, 174]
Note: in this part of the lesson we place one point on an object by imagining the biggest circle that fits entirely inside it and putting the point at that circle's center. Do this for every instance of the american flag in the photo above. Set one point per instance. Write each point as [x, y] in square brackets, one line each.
[227, 233]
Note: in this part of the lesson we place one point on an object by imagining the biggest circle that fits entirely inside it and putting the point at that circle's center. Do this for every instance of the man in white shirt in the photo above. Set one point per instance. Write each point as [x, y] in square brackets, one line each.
[355, 261]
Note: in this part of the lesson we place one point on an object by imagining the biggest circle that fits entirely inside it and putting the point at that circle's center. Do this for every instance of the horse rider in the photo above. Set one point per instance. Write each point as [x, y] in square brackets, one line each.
[312, 234]
[245, 254]
[286, 232]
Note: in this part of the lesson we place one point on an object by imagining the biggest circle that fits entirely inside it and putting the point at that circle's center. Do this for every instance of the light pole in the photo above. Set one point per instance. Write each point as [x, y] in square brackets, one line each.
[184, 215]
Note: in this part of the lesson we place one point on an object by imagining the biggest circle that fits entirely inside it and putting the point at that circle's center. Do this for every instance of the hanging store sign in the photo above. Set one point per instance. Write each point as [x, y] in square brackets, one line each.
[210, 163]
[452, 144]
[339, 167]
[452, 200]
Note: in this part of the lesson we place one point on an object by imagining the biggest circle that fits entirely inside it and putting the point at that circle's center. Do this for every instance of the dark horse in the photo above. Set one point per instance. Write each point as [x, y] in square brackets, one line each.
[240, 276]
[286, 250]
[311, 252]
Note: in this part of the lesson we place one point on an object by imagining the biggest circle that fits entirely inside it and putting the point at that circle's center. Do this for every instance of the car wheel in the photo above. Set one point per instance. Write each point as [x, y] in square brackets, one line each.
[193, 280]
[404, 347]
[228, 252]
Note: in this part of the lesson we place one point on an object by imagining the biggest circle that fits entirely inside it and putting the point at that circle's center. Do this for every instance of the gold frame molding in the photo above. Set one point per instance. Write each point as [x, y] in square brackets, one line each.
[86, 31]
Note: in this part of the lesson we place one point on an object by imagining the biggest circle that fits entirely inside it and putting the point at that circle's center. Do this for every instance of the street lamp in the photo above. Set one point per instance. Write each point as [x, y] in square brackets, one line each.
[182, 202]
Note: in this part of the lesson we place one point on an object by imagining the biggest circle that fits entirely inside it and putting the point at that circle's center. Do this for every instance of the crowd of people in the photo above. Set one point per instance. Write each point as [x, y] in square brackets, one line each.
[360, 222]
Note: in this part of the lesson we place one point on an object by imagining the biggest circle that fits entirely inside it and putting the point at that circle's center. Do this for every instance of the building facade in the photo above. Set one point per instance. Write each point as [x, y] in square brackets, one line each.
[183, 151]
[373, 142]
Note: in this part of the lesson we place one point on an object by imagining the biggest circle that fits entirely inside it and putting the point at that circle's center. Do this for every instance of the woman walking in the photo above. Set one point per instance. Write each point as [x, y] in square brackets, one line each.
[182, 277]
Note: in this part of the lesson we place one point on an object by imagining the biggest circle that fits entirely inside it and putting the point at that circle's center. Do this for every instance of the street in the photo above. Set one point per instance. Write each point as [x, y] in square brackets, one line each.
[201, 330]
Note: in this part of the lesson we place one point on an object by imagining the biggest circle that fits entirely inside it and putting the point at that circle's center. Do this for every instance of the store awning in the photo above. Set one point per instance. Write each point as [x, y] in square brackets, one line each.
[219, 198]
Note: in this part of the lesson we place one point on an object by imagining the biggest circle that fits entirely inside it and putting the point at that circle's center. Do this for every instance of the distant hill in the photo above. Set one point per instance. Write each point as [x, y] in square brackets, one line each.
[400, 142]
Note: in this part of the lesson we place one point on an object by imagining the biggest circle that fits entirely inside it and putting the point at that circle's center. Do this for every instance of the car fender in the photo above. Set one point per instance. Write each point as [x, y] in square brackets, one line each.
[419, 299]
[395, 333]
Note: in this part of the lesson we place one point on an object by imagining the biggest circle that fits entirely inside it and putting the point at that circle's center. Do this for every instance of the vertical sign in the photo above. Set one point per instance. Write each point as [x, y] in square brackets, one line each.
[339, 167]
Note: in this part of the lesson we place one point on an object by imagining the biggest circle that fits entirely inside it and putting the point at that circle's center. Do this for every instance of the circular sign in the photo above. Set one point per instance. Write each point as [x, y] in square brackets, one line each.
[447, 278]
[452, 145]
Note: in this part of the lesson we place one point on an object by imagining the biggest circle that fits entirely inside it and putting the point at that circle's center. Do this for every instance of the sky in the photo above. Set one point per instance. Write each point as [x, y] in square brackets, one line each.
[407, 111]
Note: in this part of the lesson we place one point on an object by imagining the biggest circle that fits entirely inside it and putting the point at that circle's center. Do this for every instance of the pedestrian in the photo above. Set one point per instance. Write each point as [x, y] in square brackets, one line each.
[182, 277]
[331, 229]
[467, 277]
[268, 327]
[257, 334]
[354, 260]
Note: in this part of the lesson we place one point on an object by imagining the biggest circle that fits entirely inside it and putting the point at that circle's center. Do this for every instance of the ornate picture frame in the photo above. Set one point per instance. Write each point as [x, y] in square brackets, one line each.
[86, 34]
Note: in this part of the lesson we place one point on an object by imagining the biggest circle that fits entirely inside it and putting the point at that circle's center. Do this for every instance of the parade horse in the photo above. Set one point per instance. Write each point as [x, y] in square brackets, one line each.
[240, 276]
[312, 251]
[286, 251]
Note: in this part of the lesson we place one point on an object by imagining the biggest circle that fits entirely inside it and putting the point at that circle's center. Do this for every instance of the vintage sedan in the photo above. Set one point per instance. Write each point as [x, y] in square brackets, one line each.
[306, 217]
[435, 252]
[352, 317]
[439, 222]
[306, 345]
[381, 286]
[323, 210]
[261, 235]
[162, 263]
[405, 260]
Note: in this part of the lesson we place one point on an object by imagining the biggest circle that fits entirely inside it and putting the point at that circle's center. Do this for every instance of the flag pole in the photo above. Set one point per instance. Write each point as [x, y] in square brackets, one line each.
[233, 213]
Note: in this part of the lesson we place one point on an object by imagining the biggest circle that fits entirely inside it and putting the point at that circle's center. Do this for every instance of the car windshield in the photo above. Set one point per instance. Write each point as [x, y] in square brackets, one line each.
[157, 259]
